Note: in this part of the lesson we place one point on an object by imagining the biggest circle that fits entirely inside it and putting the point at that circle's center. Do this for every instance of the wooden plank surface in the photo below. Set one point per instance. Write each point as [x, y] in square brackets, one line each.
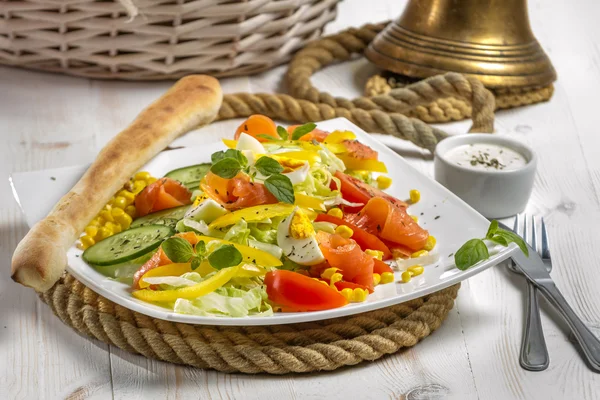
[51, 120]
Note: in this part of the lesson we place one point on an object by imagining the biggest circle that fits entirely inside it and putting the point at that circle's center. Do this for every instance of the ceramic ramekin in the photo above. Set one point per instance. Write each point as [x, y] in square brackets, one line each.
[494, 193]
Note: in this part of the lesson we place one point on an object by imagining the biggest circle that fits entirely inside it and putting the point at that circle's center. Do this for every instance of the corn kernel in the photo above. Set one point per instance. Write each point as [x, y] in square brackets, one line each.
[387, 277]
[335, 278]
[320, 281]
[117, 212]
[124, 220]
[96, 223]
[376, 279]
[138, 186]
[114, 227]
[406, 276]
[416, 270]
[127, 195]
[420, 253]
[430, 244]
[87, 241]
[336, 212]
[375, 254]
[151, 180]
[344, 231]
[415, 218]
[359, 295]
[103, 233]
[347, 293]
[415, 196]
[328, 273]
[384, 182]
[91, 230]
[80, 246]
[119, 203]
[106, 215]
[141, 176]
[101, 221]
[130, 210]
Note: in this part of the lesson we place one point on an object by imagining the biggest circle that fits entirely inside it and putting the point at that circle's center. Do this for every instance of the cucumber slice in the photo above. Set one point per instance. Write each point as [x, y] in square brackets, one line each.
[166, 217]
[127, 245]
[193, 173]
[192, 185]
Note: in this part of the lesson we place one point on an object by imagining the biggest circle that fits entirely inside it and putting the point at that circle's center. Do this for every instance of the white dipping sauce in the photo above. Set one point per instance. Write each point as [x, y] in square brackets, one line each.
[484, 156]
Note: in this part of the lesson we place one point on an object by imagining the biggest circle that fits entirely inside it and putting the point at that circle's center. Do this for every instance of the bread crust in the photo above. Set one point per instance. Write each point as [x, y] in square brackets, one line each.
[40, 258]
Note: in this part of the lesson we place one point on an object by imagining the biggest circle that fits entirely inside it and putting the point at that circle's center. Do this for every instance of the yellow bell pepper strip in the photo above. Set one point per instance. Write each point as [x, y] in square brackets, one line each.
[230, 143]
[364, 165]
[175, 269]
[250, 271]
[250, 254]
[302, 155]
[305, 201]
[336, 148]
[189, 292]
[250, 214]
[339, 136]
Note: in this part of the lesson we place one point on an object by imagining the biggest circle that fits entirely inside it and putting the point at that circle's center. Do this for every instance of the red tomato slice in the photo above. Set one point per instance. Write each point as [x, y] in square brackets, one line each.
[391, 223]
[160, 195]
[364, 239]
[297, 292]
[356, 191]
[315, 134]
[238, 192]
[345, 254]
[359, 151]
[257, 125]
[379, 267]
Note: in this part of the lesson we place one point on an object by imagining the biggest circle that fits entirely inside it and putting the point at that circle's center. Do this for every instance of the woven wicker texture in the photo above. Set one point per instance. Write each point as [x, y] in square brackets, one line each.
[167, 38]
[278, 349]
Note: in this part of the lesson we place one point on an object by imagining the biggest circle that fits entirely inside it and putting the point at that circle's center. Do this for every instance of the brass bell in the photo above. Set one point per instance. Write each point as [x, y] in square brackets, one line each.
[487, 39]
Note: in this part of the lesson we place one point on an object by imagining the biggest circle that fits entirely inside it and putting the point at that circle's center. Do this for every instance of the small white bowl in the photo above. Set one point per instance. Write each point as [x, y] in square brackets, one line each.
[494, 193]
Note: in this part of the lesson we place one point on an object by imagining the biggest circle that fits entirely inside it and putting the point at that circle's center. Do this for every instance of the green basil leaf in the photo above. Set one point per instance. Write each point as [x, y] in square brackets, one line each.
[178, 250]
[492, 229]
[498, 239]
[470, 254]
[303, 130]
[512, 237]
[268, 166]
[281, 187]
[201, 248]
[224, 257]
[229, 153]
[196, 261]
[282, 132]
[226, 168]
[268, 137]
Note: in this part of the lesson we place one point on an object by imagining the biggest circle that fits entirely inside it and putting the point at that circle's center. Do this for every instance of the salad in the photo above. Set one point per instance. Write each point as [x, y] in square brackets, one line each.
[283, 220]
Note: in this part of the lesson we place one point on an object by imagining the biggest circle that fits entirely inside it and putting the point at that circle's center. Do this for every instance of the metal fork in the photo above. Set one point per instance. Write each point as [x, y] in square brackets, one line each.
[534, 353]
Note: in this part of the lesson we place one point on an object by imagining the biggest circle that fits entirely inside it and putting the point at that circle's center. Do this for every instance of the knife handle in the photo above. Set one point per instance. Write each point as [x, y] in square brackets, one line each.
[588, 342]
[534, 353]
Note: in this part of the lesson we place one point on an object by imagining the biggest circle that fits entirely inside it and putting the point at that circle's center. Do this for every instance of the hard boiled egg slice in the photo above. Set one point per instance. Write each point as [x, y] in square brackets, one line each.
[296, 170]
[296, 237]
[207, 210]
[247, 142]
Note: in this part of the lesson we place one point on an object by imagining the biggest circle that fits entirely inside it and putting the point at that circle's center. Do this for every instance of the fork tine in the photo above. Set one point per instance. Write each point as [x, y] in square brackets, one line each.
[545, 244]
[523, 224]
[516, 225]
[533, 242]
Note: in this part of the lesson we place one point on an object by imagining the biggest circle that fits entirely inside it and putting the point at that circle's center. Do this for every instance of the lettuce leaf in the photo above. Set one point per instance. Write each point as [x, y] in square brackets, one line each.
[227, 302]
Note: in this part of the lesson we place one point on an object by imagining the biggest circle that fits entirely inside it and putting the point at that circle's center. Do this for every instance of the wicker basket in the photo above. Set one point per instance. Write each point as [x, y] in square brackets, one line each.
[157, 39]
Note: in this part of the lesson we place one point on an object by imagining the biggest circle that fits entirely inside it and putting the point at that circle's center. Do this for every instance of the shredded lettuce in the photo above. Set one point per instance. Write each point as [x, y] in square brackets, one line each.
[330, 160]
[227, 302]
[272, 249]
[188, 224]
[324, 226]
[238, 233]
[169, 282]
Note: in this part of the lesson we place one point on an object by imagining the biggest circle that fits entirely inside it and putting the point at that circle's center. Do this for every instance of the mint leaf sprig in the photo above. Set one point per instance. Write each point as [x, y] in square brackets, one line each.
[298, 132]
[475, 250]
[181, 251]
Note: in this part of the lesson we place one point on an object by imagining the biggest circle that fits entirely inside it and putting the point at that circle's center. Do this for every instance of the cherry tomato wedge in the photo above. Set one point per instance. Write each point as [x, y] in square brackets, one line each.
[257, 125]
[160, 195]
[356, 191]
[297, 292]
[364, 239]
[379, 267]
[346, 255]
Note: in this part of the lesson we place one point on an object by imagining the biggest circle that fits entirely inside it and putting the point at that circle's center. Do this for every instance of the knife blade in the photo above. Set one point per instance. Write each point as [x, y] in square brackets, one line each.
[534, 269]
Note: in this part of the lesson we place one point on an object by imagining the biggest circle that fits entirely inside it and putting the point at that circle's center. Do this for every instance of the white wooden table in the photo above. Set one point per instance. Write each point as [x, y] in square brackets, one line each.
[51, 121]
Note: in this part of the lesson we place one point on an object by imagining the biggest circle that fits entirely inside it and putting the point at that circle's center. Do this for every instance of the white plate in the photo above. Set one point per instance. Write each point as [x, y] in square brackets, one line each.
[446, 217]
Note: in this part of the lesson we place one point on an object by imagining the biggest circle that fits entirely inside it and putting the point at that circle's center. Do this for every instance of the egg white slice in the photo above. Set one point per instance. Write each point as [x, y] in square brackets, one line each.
[247, 142]
[298, 175]
[301, 251]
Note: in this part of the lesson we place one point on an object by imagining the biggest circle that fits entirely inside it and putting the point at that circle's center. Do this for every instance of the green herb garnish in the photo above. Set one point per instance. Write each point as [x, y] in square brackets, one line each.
[303, 130]
[475, 250]
[282, 132]
[281, 187]
[268, 166]
[226, 168]
[181, 251]
[225, 256]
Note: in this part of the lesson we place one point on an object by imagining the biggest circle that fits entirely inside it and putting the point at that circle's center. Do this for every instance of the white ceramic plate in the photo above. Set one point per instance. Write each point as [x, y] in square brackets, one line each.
[446, 217]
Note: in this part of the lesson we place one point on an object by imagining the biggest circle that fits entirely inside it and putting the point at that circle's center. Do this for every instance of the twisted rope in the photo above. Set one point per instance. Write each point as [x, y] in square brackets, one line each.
[277, 349]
